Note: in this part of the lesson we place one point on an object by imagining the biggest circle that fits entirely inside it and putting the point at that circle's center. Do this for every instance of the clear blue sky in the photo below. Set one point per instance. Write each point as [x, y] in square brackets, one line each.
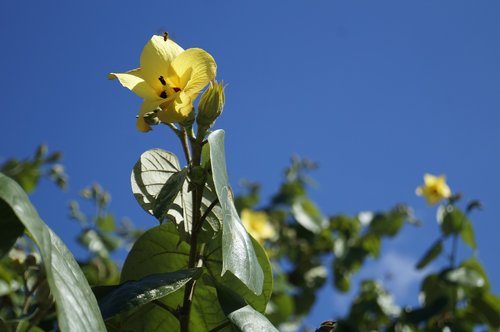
[377, 92]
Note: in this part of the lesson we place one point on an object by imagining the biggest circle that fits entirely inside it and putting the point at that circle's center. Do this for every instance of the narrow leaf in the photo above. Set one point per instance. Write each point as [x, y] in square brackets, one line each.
[239, 313]
[467, 234]
[431, 254]
[133, 294]
[248, 319]
[77, 308]
[168, 193]
[238, 255]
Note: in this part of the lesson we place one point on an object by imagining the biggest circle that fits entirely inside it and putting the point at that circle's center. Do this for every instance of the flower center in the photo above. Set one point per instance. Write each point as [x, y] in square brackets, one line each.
[163, 94]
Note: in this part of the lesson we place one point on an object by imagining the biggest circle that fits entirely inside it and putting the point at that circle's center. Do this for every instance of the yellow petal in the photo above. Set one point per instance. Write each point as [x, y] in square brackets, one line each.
[176, 108]
[156, 57]
[191, 71]
[147, 106]
[133, 80]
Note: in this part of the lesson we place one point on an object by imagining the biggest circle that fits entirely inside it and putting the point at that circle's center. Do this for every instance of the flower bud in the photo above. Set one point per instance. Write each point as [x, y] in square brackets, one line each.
[211, 104]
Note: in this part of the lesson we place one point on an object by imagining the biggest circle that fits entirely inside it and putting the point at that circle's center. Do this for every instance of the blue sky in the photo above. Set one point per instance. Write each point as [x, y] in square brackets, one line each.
[377, 92]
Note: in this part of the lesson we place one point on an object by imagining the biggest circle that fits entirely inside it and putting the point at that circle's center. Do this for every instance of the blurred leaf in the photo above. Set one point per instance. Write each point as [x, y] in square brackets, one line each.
[106, 222]
[467, 234]
[474, 205]
[133, 294]
[281, 308]
[431, 254]
[425, 313]
[93, 242]
[388, 224]
[453, 220]
[168, 193]
[77, 309]
[474, 264]
[308, 215]
[464, 277]
[489, 306]
[238, 255]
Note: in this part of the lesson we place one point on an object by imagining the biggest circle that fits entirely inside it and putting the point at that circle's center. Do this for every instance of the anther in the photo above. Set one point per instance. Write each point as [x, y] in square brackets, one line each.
[163, 95]
[162, 80]
[165, 36]
[176, 89]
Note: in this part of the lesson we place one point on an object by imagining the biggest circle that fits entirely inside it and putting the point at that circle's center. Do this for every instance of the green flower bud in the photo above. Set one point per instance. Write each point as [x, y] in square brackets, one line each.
[211, 104]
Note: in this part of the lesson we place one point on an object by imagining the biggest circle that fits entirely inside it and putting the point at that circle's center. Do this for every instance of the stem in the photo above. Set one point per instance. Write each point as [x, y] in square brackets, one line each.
[185, 145]
[197, 194]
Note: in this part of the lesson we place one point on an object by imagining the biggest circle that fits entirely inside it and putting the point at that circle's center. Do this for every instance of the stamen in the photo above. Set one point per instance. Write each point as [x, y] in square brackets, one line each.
[162, 80]
[163, 95]
[165, 36]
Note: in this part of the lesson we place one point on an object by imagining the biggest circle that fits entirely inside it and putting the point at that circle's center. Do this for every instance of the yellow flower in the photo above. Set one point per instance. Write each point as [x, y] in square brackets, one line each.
[169, 78]
[434, 189]
[257, 224]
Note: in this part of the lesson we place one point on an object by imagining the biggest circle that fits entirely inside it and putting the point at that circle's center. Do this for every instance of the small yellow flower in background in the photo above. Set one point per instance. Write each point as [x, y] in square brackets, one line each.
[257, 224]
[434, 189]
[170, 78]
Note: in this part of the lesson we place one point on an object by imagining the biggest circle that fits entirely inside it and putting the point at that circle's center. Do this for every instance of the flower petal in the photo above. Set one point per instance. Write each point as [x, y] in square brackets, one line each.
[134, 81]
[191, 71]
[155, 59]
[177, 108]
[147, 106]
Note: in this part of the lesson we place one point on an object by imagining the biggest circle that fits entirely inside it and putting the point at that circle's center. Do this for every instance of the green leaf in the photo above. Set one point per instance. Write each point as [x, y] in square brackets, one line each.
[431, 254]
[159, 250]
[467, 234]
[77, 308]
[465, 277]
[489, 306]
[168, 193]
[151, 172]
[249, 320]
[238, 255]
[243, 316]
[453, 220]
[214, 267]
[11, 228]
[308, 215]
[133, 294]
[106, 222]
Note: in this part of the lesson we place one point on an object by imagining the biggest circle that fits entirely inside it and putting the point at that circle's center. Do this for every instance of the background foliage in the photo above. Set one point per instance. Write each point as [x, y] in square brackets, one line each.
[456, 295]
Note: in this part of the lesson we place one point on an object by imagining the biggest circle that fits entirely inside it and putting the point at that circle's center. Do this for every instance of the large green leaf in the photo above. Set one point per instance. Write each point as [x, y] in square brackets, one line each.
[238, 255]
[149, 176]
[133, 294]
[77, 308]
[159, 251]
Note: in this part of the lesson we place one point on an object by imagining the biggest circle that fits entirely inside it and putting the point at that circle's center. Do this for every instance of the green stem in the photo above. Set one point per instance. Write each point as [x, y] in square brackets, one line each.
[197, 194]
